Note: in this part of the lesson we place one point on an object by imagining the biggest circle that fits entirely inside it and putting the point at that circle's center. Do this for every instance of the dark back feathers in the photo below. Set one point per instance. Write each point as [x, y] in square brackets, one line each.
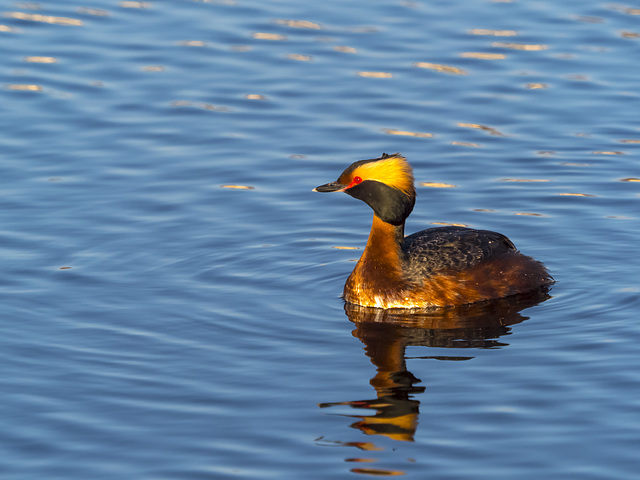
[450, 249]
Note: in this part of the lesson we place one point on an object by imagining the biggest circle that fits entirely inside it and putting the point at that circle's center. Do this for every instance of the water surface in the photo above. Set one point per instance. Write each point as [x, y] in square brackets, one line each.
[171, 284]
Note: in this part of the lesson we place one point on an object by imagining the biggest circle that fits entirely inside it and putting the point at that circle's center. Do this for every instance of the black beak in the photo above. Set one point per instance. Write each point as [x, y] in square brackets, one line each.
[330, 187]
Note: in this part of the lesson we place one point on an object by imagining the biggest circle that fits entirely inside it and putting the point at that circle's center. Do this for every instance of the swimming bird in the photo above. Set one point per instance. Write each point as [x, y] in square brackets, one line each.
[436, 267]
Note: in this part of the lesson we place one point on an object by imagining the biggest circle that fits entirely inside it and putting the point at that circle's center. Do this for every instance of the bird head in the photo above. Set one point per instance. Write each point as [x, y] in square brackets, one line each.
[385, 184]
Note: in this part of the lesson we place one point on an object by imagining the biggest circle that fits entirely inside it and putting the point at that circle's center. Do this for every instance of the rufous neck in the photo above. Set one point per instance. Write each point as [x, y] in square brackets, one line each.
[386, 232]
[384, 244]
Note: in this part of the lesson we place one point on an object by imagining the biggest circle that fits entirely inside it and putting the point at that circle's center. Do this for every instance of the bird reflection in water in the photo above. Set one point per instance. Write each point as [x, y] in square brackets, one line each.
[386, 334]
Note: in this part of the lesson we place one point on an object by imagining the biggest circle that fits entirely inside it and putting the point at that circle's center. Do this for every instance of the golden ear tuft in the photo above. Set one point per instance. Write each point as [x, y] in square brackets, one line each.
[392, 170]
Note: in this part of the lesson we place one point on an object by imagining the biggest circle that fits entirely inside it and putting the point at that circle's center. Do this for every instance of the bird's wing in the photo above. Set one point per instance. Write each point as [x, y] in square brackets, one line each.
[451, 249]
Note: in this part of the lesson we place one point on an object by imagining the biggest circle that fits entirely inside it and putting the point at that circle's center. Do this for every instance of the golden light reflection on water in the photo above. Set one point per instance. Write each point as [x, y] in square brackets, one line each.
[519, 46]
[93, 11]
[490, 130]
[238, 187]
[484, 56]
[44, 18]
[40, 59]
[361, 460]
[441, 68]
[344, 49]
[467, 144]
[630, 179]
[525, 180]
[537, 86]
[299, 24]
[571, 194]
[437, 185]
[495, 33]
[378, 472]
[268, 36]
[374, 74]
[391, 131]
[134, 4]
[192, 43]
[300, 58]
[25, 87]
[152, 68]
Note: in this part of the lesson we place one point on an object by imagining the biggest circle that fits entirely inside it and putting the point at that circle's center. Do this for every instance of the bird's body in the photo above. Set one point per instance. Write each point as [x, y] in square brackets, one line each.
[443, 266]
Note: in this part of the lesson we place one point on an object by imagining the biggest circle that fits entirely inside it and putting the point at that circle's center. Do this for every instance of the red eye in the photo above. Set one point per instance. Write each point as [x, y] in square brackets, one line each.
[354, 181]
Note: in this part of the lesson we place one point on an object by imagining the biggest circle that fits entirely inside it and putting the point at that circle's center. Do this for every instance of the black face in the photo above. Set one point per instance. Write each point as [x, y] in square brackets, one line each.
[388, 203]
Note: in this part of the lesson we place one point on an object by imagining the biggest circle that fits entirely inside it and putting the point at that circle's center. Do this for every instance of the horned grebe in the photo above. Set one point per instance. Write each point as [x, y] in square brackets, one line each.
[443, 266]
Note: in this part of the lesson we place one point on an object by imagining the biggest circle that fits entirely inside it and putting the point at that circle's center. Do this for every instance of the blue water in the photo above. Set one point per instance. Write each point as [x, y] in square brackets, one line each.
[158, 324]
